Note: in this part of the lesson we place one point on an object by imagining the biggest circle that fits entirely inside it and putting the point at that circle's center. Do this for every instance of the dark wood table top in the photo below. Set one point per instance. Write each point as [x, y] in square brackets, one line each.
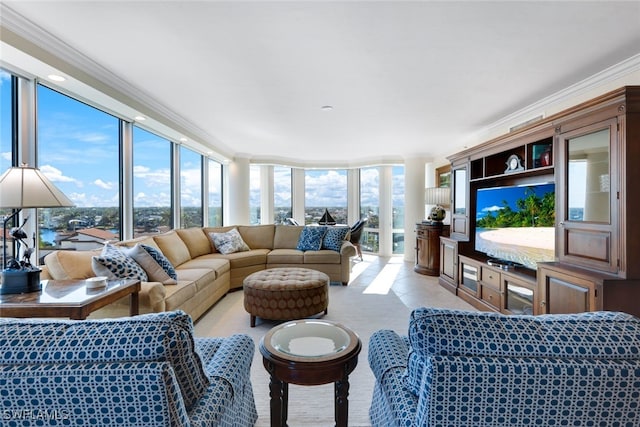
[67, 298]
[314, 359]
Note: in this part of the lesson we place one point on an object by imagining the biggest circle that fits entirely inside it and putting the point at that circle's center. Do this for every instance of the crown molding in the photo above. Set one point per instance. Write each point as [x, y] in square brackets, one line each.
[583, 89]
[45, 47]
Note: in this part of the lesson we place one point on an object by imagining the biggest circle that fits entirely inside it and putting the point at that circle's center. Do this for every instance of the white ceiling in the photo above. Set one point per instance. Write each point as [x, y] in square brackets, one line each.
[405, 79]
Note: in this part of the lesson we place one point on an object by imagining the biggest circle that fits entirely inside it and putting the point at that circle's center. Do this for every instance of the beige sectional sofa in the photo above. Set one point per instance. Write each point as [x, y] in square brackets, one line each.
[205, 275]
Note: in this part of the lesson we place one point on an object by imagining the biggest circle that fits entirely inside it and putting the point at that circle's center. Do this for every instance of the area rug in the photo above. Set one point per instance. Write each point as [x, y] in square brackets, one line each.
[313, 406]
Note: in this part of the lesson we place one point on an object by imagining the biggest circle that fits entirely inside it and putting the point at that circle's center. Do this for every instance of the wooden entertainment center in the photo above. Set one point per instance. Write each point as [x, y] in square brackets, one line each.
[589, 151]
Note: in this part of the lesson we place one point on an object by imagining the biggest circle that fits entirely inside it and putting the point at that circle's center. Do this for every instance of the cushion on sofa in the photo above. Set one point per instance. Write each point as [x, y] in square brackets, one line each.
[149, 337]
[211, 262]
[258, 236]
[253, 257]
[177, 296]
[285, 256]
[173, 247]
[196, 240]
[200, 277]
[334, 237]
[286, 236]
[229, 242]
[162, 260]
[209, 230]
[65, 265]
[442, 332]
[311, 238]
[155, 271]
[114, 263]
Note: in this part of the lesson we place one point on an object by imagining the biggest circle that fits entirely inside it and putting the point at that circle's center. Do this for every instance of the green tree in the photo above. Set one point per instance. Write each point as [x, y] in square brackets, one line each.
[532, 211]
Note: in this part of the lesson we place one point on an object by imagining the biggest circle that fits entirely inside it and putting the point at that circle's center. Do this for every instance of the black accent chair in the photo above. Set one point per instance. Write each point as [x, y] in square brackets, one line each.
[356, 234]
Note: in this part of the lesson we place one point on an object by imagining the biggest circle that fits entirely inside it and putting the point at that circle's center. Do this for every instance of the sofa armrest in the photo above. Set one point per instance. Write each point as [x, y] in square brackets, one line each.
[387, 350]
[228, 359]
[347, 249]
[44, 273]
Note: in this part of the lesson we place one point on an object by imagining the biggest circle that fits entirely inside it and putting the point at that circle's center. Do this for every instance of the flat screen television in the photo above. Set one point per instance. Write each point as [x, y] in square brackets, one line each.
[516, 223]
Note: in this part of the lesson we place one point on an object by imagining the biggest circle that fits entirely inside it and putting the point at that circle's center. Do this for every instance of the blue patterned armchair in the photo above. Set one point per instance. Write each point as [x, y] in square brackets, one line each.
[458, 368]
[146, 370]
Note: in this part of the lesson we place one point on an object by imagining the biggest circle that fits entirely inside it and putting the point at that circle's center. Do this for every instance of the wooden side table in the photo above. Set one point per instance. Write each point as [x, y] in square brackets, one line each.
[309, 352]
[428, 247]
[68, 298]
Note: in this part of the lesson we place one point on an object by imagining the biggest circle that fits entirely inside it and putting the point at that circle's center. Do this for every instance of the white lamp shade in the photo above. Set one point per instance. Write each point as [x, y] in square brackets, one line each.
[437, 196]
[26, 187]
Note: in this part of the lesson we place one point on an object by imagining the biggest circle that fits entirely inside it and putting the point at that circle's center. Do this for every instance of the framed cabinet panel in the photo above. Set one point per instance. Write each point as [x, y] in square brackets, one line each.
[460, 202]
[469, 276]
[562, 291]
[587, 196]
[448, 263]
[519, 295]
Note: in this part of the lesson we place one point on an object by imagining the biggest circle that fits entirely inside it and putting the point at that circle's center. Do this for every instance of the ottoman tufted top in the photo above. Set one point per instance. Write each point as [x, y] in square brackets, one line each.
[278, 279]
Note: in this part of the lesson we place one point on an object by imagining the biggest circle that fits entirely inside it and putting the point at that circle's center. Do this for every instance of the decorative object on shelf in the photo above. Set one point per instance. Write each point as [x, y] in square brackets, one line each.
[327, 219]
[514, 164]
[545, 157]
[24, 187]
[438, 196]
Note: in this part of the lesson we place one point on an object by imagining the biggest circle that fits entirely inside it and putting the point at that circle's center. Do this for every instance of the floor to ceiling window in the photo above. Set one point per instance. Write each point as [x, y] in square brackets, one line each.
[325, 190]
[397, 206]
[7, 86]
[190, 188]
[215, 193]
[370, 208]
[255, 202]
[282, 202]
[7, 132]
[79, 151]
[152, 212]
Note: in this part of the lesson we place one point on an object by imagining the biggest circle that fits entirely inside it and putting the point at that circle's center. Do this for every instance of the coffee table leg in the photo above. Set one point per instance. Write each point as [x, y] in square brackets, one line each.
[279, 393]
[134, 304]
[342, 403]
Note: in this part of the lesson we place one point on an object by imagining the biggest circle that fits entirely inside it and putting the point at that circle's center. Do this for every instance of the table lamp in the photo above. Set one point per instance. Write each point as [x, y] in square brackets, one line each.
[438, 196]
[24, 187]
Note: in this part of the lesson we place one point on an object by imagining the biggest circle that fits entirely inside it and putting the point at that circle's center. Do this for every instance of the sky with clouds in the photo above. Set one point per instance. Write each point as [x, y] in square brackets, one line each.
[78, 152]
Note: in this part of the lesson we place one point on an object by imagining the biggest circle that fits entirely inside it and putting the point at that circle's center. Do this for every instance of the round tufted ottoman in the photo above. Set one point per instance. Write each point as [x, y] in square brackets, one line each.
[285, 293]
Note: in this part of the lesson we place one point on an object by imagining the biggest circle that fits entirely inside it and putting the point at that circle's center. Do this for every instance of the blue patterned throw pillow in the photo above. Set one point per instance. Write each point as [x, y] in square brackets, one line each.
[229, 242]
[311, 238]
[114, 264]
[166, 265]
[334, 237]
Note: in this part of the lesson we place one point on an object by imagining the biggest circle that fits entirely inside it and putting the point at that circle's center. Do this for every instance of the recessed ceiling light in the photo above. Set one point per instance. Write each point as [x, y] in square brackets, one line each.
[183, 139]
[140, 118]
[326, 108]
[56, 78]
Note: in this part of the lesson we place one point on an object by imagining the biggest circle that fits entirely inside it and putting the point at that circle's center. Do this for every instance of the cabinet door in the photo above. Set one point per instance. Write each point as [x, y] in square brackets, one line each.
[460, 206]
[519, 296]
[469, 277]
[428, 249]
[448, 262]
[587, 196]
[565, 293]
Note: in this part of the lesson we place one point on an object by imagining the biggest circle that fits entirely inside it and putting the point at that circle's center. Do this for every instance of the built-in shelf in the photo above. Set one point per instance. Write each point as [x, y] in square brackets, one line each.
[587, 150]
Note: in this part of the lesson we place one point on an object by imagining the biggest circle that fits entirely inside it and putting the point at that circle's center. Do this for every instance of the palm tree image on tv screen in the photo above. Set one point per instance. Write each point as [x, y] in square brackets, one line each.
[516, 223]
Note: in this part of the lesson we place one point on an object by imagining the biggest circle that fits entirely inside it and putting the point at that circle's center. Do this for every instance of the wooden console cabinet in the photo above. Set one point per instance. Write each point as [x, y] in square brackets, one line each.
[590, 152]
[491, 288]
[428, 247]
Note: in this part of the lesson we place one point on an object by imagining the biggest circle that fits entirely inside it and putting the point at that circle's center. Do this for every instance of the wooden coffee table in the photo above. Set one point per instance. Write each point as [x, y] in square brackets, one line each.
[68, 298]
[309, 352]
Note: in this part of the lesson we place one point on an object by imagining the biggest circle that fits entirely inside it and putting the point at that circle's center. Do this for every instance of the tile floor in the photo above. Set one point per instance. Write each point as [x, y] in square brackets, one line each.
[413, 289]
